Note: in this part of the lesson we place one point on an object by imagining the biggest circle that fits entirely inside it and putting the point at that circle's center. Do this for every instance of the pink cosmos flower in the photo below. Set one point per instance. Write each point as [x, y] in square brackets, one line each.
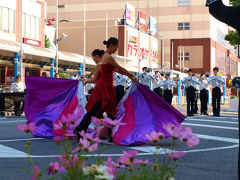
[93, 147]
[36, 173]
[27, 128]
[69, 163]
[84, 144]
[155, 137]
[193, 141]
[169, 128]
[89, 137]
[54, 168]
[111, 166]
[175, 156]
[97, 121]
[130, 154]
[112, 123]
[57, 139]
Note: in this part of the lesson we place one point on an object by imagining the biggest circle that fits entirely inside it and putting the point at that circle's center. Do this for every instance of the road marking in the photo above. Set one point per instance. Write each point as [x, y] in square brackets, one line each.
[2, 118]
[150, 149]
[217, 138]
[12, 121]
[7, 152]
[117, 155]
[210, 126]
[207, 120]
[16, 140]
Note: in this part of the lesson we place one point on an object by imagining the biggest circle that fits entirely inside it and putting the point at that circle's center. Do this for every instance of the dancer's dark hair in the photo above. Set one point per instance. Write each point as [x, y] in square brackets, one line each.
[98, 52]
[112, 40]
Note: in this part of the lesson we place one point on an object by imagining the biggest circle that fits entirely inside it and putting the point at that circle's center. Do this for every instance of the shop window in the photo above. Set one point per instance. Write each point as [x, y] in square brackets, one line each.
[37, 28]
[28, 26]
[33, 27]
[183, 2]
[5, 25]
[183, 26]
[12, 21]
[1, 18]
[186, 56]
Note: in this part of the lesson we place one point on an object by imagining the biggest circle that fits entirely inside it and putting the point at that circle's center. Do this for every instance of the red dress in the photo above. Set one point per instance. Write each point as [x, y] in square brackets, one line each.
[104, 92]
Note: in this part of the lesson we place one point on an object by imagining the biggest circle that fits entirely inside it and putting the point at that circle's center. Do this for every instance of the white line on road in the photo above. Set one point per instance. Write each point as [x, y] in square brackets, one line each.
[3, 122]
[210, 126]
[114, 155]
[207, 120]
[16, 140]
[7, 152]
[217, 138]
[2, 118]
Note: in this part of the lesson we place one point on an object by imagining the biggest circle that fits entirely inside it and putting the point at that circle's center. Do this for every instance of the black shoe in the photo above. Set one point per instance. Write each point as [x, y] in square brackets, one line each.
[218, 115]
[205, 113]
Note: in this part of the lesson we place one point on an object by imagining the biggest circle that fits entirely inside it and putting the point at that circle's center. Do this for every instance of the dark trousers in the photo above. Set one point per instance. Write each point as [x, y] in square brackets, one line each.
[17, 108]
[204, 100]
[216, 98]
[158, 91]
[190, 94]
[196, 103]
[119, 92]
[167, 96]
[88, 117]
[227, 14]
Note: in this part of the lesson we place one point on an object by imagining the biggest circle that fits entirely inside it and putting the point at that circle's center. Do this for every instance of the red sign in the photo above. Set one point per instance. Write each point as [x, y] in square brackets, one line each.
[32, 42]
[142, 21]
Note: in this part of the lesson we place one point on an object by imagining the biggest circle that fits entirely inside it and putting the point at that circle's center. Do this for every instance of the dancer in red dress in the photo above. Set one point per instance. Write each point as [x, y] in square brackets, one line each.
[103, 98]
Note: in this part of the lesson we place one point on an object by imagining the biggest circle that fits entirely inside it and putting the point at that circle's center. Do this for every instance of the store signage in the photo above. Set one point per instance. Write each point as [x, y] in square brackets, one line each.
[32, 42]
[130, 14]
[142, 16]
[153, 26]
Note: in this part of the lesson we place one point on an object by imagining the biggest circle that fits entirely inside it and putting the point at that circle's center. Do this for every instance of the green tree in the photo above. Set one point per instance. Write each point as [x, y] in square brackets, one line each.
[47, 42]
[233, 36]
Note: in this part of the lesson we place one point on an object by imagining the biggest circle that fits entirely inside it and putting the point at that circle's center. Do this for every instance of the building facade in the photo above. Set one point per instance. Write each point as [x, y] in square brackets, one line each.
[192, 37]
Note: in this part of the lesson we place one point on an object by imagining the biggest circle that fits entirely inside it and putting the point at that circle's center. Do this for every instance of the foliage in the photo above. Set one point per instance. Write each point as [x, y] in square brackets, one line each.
[47, 42]
[233, 36]
[74, 164]
[63, 75]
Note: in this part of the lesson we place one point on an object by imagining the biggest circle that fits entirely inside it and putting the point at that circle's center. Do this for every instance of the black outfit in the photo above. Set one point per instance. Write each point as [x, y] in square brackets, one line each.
[17, 107]
[190, 93]
[196, 102]
[216, 98]
[204, 101]
[86, 121]
[119, 92]
[158, 91]
[167, 96]
[227, 14]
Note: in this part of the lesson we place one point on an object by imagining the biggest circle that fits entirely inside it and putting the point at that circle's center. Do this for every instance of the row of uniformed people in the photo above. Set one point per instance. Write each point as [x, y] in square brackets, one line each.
[191, 82]
[161, 86]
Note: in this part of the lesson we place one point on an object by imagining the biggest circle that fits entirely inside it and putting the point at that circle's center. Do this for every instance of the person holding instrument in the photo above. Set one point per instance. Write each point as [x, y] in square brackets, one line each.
[103, 97]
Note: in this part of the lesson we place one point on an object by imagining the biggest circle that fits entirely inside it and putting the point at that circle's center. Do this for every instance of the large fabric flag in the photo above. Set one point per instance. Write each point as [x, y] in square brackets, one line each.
[143, 111]
[49, 100]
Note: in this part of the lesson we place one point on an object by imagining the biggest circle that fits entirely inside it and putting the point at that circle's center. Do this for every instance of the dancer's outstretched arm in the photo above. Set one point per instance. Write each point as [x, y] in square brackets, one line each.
[227, 14]
[120, 69]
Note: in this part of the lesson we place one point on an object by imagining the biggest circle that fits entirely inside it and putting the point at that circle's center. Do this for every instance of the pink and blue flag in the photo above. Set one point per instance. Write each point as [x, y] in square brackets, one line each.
[143, 112]
[49, 99]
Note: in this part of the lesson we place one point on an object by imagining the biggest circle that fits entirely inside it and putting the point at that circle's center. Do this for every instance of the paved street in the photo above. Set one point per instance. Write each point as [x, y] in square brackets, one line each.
[215, 158]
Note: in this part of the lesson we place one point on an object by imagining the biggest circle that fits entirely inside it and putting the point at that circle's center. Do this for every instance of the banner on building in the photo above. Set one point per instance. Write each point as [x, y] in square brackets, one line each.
[130, 14]
[154, 49]
[132, 43]
[142, 21]
[153, 26]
